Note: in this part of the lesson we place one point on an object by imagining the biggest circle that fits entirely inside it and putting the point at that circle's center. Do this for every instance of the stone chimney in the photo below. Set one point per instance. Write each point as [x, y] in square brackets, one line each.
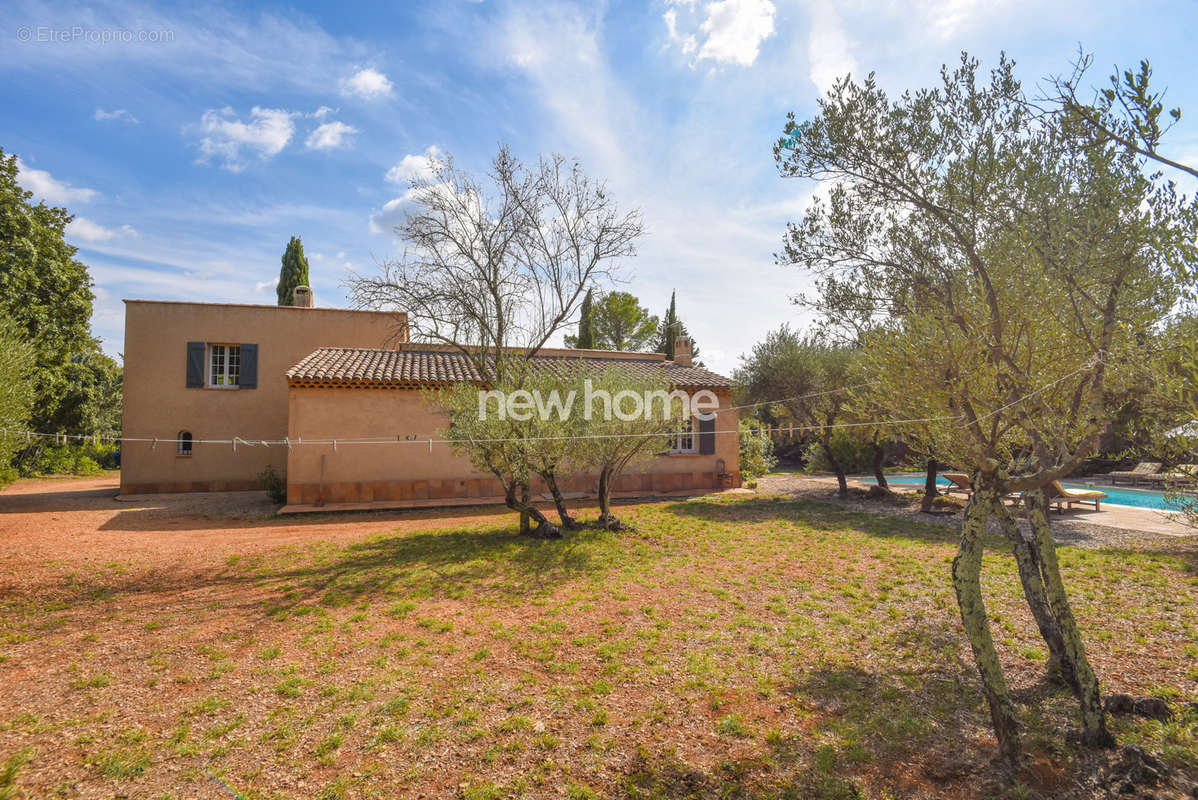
[682, 351]
[303, 297]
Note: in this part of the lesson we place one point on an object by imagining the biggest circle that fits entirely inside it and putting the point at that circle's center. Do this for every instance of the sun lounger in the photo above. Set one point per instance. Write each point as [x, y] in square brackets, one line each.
[1144, 471]
[1064, 498]
[960, 482]
[1180, 475]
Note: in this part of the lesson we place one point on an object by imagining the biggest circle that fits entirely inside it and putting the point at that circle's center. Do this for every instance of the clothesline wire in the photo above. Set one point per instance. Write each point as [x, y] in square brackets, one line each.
[429, 441]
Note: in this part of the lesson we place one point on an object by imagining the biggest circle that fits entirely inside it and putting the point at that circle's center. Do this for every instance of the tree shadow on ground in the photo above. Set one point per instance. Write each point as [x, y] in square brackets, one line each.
[488, 562]
[888, 734]
[815, 514]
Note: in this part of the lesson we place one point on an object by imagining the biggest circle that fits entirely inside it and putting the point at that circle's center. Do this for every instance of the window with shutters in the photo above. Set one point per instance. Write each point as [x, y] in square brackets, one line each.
[224, 365]
[684, 440]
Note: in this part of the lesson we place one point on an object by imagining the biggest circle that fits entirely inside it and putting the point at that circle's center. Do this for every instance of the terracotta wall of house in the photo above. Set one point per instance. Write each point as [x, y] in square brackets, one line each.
[412, 470]
[158, 403]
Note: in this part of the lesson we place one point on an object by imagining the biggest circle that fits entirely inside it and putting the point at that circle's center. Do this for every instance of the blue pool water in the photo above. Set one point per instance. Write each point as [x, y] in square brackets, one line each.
[1117, 495]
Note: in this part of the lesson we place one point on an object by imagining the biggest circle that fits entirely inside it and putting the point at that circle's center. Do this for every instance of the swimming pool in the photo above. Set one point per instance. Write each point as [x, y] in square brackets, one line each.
[1116, 495]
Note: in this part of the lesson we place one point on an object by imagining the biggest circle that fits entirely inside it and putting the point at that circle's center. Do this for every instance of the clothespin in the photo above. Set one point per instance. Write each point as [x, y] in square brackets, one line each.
[154, 446]
[234, 445]
[430, 444]
[334, 445]
[287, 441]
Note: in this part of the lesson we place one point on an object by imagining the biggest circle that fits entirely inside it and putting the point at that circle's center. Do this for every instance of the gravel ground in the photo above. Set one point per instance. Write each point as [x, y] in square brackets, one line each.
[1066, 530]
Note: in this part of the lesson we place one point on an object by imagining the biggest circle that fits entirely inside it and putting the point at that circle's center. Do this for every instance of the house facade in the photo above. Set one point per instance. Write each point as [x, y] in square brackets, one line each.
[342, 395]
[216, 371]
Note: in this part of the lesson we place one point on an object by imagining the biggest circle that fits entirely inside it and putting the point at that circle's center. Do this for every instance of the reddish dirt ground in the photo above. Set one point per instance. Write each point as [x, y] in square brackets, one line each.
[67, 520]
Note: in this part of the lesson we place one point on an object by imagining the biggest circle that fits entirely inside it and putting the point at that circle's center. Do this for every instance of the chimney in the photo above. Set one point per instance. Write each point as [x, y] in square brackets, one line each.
[682, 351]
[302, 297]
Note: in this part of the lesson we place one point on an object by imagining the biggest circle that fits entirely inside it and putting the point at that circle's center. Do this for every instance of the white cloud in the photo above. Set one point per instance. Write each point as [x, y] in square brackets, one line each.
[263, 285]
[733, 30]
[687, 42]
[367, 83]
[322, 112]
[329, 136]
[88, 231]
[54, 192]
[955, 15]
[414, 166]
[231, 140]
[828, 48]
[389, 216]
[117, 113]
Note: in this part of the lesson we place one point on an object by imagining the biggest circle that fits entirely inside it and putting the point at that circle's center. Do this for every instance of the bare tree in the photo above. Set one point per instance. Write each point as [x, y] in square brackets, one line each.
[496, 265]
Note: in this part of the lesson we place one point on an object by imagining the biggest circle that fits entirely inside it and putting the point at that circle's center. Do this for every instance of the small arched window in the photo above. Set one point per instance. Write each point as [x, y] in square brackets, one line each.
[184, 443]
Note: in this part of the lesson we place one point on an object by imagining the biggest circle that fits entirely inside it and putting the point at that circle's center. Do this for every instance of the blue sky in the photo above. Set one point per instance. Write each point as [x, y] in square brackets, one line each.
[193, 152]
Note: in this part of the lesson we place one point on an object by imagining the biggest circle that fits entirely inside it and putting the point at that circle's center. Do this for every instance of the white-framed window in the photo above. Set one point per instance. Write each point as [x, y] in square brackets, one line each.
[684, 440]
[224, 365]
[184, 443]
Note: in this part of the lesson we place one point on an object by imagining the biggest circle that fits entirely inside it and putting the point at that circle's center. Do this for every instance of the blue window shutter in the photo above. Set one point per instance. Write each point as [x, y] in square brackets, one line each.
[249, 366]
[195, 364]
[707, 434]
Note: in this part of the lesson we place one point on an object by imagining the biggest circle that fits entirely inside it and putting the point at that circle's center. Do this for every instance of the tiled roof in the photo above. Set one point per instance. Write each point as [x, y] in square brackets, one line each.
[346, 366]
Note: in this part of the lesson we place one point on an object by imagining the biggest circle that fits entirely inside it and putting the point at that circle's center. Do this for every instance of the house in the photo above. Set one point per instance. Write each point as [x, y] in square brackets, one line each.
[215, 393]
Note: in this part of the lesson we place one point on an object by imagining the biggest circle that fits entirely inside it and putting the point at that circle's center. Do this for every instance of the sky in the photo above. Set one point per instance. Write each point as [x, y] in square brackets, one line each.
[192, 141]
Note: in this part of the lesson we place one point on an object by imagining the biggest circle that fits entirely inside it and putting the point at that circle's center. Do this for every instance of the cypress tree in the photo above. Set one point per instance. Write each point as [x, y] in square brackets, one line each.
[293, 273]
[669, 330]
[586, 325]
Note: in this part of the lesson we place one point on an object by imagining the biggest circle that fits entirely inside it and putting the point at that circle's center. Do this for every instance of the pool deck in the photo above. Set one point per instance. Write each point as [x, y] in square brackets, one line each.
[1129, 518]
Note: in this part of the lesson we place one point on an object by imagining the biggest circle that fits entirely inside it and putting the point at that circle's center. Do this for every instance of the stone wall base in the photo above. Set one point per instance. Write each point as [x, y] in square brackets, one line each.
[171, 487]
[307, 494]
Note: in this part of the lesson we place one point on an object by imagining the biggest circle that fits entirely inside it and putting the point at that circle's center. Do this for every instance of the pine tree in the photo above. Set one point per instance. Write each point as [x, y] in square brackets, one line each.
[293, 273]
[586, 325]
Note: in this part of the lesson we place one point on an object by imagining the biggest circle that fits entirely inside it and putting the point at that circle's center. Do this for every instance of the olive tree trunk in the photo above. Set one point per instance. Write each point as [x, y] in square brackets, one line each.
[967, 581]
[1094, 730]
[929, 488]
[549, 475]
[1060, 667]
[518, 498]
[842, 484]
[879, 460]
[608, 520]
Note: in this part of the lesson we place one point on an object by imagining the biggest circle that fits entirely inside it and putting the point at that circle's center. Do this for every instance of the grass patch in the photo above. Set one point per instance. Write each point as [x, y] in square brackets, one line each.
[808, 649]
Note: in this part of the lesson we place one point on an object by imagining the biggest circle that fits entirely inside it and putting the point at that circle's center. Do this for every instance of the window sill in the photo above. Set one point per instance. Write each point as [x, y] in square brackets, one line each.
[182, 455]
[683, 454]
[224, 388]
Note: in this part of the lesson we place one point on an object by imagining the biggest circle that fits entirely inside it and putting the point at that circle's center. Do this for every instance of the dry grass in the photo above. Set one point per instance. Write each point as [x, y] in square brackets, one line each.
[737, 648]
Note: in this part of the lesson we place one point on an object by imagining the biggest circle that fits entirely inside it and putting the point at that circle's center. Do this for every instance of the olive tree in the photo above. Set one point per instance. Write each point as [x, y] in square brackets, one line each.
[1011, 267]
[809, 377]
[617, 434]
[515, 447]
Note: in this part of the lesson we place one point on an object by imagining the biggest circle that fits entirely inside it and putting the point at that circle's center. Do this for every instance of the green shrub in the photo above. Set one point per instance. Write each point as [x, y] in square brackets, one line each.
[274, 483]
[854, 455]
[756, 452]
[75, 458]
